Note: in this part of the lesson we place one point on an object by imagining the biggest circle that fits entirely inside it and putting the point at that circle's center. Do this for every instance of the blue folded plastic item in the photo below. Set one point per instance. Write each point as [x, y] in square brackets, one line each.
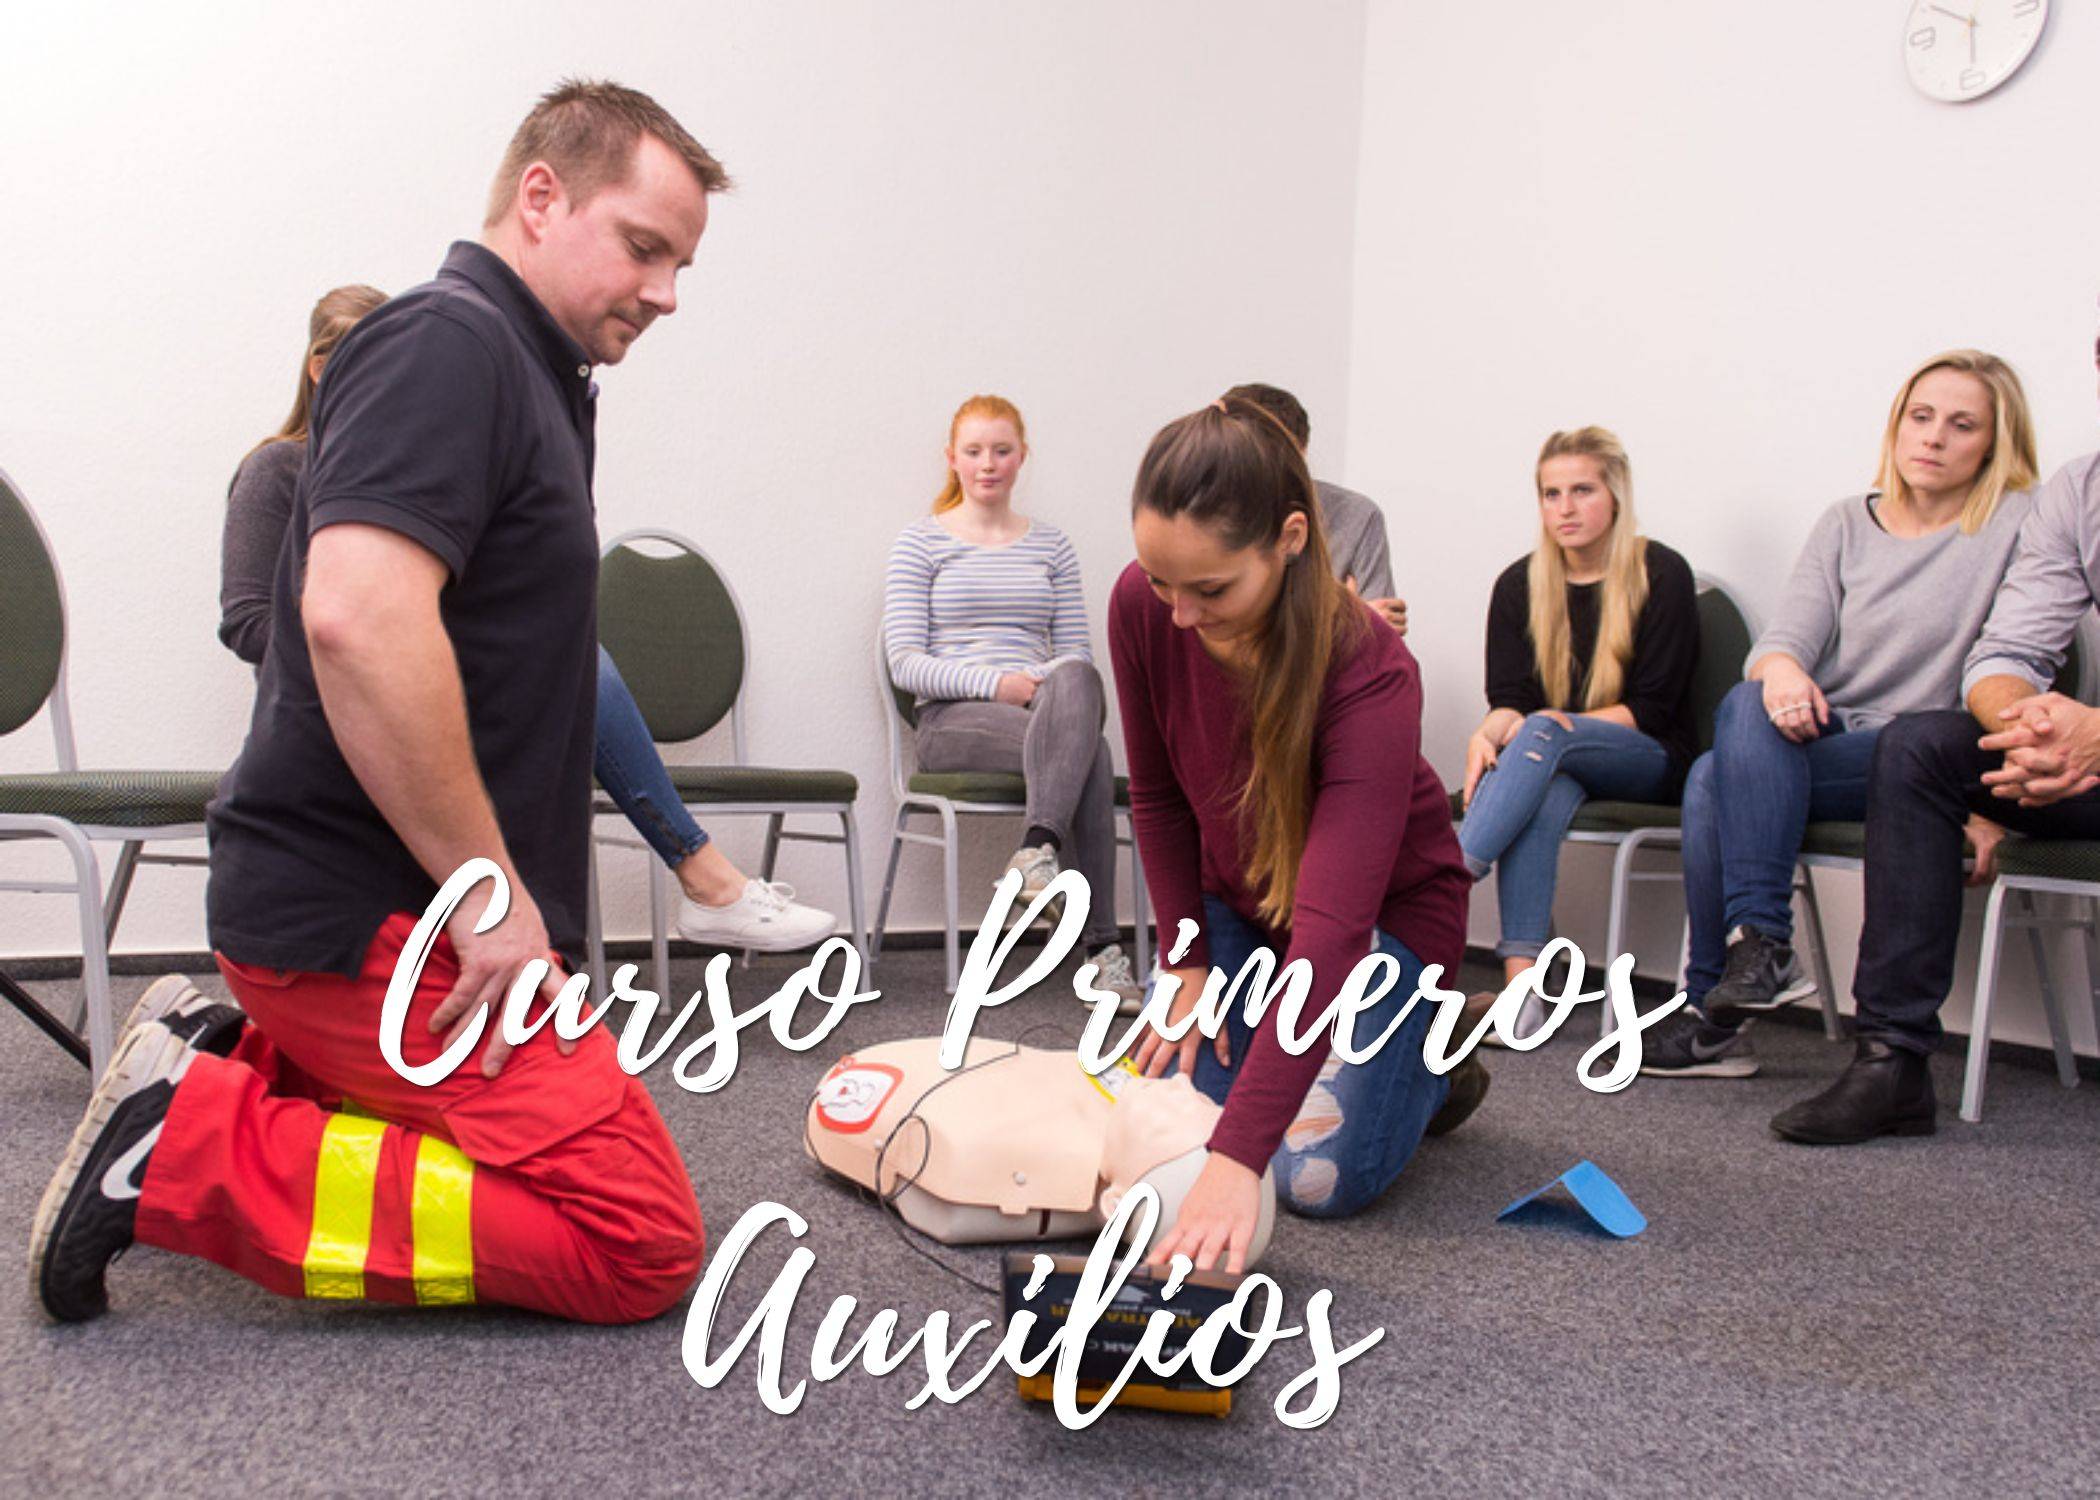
[1603, 1200]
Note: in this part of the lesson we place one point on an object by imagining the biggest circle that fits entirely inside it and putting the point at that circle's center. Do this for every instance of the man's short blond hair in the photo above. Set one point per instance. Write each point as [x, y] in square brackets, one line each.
[587, 132]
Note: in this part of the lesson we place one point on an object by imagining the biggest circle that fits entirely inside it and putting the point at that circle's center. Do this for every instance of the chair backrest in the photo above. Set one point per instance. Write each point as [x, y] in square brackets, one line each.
[904, 711]
[676, 632]
[32, 613]
[1724, 642]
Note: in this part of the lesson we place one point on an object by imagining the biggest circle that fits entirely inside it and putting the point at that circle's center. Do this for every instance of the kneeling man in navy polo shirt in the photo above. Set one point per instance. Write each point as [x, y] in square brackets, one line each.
[428, 699]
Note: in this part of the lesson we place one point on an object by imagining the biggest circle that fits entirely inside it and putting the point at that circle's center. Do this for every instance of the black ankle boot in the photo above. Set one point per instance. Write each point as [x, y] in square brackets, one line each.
[1884, 1091]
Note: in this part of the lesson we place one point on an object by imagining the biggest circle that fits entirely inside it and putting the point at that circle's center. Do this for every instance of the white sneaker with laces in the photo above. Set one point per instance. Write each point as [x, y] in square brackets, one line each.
[1038, 867]
[766, 918]
[1114, 974]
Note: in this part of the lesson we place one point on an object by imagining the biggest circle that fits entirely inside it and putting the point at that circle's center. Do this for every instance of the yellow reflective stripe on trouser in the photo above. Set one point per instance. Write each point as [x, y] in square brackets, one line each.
[444, 1223]
[344, 1177]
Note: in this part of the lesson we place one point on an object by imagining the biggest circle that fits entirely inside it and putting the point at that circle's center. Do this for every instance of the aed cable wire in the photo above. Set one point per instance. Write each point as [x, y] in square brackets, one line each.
[888, 1200]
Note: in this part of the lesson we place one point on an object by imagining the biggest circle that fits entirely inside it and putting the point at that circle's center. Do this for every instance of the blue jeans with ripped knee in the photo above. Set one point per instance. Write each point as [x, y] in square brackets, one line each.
[1523, 806]
[1361, 1122]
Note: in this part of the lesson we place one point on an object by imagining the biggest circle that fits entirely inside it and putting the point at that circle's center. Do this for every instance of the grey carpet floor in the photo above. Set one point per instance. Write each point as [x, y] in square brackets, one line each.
[1909, 1318]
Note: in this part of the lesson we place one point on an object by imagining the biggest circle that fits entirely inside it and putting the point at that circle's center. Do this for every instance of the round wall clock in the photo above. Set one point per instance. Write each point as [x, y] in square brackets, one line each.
[1963, 49]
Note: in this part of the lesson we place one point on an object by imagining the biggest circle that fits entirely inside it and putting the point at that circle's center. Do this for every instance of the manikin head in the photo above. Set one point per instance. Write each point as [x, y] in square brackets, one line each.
[1157, 1135]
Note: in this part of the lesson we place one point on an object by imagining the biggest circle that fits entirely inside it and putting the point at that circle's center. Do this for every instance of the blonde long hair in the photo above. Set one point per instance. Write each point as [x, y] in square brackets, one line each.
[1233, 468]
[1625, 583]
[333, 316]
[2009, 466]
[991, 408]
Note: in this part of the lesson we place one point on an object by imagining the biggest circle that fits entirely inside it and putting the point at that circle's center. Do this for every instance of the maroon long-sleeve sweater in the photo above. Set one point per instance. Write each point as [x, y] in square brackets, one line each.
[1380, 852]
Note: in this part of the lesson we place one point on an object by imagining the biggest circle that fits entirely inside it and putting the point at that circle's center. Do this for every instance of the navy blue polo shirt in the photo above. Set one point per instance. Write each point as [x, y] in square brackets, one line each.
[461, 416]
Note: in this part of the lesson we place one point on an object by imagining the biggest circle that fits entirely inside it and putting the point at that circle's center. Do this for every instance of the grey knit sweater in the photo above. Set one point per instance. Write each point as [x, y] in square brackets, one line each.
[258, 509]
[1882, 622]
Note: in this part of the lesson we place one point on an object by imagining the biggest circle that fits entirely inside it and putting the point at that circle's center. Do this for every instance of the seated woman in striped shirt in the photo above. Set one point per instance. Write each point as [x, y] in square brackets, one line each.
[983, 619]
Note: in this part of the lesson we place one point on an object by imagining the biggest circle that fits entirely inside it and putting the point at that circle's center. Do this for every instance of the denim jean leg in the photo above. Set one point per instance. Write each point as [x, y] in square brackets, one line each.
[1838, 768]
[1704, 914]
[1361, 1122]
[1522, 808]
[1761, 789]
[633, 775]
[1529, 870]
[1233, 940]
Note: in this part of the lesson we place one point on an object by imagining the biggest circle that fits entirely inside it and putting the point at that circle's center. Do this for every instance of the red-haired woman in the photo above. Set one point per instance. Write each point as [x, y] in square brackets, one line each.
[1280, 798]
[983, 619]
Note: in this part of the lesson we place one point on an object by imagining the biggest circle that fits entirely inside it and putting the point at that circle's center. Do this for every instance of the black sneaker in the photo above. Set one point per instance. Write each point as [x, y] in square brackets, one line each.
[1762, 975]
[1469, 1085]
[1687, 1045]
[86, 1216]
[186, 1012]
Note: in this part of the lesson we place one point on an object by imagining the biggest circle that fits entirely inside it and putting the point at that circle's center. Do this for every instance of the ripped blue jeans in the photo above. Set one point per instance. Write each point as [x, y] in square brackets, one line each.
[1523, 806]
[1360, 1122]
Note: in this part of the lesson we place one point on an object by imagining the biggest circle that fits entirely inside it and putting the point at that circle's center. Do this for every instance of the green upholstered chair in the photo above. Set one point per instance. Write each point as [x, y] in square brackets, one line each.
[951, 795]
[78, 809]
[2026, 868]
[674, 628]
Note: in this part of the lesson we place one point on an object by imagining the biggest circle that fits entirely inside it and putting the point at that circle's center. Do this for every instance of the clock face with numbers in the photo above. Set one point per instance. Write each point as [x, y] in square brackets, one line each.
[1962, 49]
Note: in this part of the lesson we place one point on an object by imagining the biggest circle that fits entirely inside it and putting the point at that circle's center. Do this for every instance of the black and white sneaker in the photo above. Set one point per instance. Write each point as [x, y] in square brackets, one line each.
[86, 1216]
[185, 1011]
[1762, 975]
[1687, 1045]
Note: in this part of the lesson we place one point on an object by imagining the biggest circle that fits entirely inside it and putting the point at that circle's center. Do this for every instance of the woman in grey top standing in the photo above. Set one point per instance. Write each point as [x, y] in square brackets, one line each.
[1886, 598]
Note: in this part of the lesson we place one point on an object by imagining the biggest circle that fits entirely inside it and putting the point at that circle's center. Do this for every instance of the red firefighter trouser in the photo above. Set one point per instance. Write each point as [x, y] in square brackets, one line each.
[306, 1164]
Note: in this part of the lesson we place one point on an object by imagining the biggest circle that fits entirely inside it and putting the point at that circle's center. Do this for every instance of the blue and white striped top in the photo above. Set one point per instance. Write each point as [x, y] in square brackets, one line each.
[957, 615]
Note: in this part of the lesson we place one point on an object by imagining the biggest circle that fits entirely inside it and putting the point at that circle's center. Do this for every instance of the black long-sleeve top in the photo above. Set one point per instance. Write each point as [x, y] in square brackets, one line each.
[1658, 691]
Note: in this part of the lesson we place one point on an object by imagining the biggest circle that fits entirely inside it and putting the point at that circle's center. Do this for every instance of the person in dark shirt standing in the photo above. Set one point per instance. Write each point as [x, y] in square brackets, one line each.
[1280, 799]
[1591, 642]
[426, 700]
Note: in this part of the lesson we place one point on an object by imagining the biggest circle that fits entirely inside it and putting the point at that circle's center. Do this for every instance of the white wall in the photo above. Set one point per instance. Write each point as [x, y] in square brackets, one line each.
[1107, 212]
[1725, 233]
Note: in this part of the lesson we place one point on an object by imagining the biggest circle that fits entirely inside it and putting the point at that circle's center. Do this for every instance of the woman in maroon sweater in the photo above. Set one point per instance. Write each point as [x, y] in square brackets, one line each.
[1280, 799]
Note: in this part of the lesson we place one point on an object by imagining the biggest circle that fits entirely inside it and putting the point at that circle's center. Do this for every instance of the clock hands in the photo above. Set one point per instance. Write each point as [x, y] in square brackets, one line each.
[1968, 21]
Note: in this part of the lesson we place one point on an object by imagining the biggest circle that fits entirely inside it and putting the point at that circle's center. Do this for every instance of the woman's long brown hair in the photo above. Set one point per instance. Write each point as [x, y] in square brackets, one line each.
[333, 316]
[1233, 469]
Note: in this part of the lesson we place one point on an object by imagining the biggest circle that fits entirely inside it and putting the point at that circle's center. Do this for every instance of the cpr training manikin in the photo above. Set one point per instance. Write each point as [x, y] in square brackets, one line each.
[1019, 1143]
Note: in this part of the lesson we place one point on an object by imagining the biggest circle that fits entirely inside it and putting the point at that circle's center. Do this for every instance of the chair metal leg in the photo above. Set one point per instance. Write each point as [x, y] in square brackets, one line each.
[119, 888]
[1826, 981]
[951, 872]
[96, 1015]
[765, 865]
[855, 897]
[2091, 930]
[1615, 916]
[660, 926]
[889, 884]
[1986, 991]
[594, 926]
[2059, 1030]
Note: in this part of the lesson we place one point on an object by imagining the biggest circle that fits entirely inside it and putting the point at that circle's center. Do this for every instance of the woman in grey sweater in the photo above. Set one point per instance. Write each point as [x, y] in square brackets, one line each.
[1886, 598]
